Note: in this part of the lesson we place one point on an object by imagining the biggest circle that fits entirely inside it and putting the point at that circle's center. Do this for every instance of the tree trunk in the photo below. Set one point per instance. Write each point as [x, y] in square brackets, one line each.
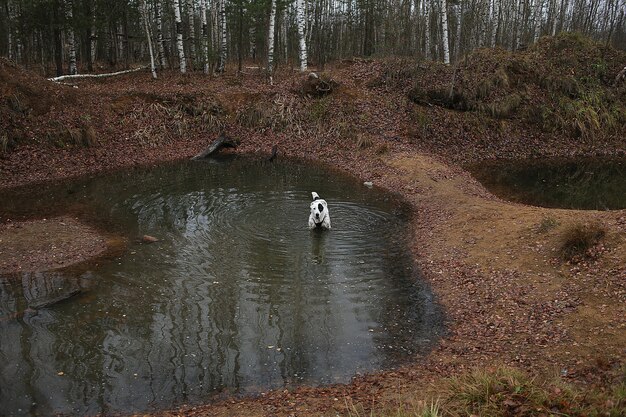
[92, 37]
[240, 39]
[252, 36]
[160, 41]
[70, 37]
[192, 33]
[495, 18]
[459, 29]
[9, 29]
[221, 65]
[205, 35]
[179, 37]
[222, 141]
[445, 38]
[301, 21]
[426, 6]
[270, 39]
[144, 15]
[538, 19]
[58, 43]
[79, 76]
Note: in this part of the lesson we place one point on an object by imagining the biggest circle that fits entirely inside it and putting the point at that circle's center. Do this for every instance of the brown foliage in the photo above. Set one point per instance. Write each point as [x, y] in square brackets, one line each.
[580, 240]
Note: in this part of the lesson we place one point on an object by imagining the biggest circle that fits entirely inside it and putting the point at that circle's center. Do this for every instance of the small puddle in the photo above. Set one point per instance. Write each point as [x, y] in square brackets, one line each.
[584, 184]
[237, 297]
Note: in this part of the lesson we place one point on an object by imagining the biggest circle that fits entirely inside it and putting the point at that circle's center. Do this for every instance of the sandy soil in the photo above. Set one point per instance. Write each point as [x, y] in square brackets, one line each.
[45, 244]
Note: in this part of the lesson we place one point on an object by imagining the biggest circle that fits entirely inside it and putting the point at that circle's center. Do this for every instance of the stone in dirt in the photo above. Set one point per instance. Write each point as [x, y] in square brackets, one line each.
[149, 239]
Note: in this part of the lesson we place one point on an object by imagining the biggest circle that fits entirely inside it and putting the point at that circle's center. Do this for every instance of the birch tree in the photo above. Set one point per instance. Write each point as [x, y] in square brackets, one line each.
[270, 39]
[192, 32]
[221, 65]
[179, 37]
[144, 15]
[93, 36]
[445, 38]
[158, 12]
[205, 35]
[495, 18]
[70, 37]
[252, 37]
[538, 19]
[12, 37]
[426, 11]
[459, 29]
[301, 22]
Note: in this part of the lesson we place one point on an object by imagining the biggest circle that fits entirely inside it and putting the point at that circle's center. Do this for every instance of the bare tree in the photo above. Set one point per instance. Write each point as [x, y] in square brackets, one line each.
[179, 37]
[144, 16]
[158, 11]
[191, 11]
[301, 22]
[445, 38]
[221, 65]
[205, 35]
[270, 39]
[70, 37]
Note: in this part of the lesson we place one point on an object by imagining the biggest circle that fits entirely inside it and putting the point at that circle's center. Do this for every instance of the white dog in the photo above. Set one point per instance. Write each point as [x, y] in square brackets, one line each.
[319, 216]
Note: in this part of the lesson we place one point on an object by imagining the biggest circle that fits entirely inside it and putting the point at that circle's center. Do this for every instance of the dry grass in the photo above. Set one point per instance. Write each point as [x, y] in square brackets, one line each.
[507, 392]
[4, 143]
[72, 137]
[364, 141]
[579, 239]
[547, 223]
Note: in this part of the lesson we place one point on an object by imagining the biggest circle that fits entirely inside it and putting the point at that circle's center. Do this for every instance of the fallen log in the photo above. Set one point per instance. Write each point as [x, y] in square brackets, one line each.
[37, 305]
[111, 74]
[222, 141]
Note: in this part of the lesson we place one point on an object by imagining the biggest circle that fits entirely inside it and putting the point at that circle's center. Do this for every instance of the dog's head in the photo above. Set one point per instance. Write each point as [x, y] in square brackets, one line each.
[319, 209]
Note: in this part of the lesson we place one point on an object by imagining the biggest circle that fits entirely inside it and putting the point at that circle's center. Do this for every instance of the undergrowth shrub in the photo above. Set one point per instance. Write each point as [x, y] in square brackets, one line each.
[364, 141]
[506, 392]
[547, 223]
[4, 143]
[504, 108]
[255, 115]
[579, 240]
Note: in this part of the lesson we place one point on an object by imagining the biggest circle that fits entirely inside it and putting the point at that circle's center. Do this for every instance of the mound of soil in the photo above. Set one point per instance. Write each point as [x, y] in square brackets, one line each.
[41, 245]
[563, 83]
[24, 98]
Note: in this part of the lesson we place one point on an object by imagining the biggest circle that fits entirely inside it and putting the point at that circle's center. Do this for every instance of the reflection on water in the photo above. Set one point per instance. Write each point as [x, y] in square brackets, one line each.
[587, 184]
[237, 296]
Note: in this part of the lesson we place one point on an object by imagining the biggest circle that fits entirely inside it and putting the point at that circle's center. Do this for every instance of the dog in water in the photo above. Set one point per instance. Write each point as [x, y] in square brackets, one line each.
[319, 217]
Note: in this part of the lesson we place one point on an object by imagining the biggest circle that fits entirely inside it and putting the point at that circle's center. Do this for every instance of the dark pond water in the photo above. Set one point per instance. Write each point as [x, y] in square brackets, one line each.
[588, 184]
[237, 297]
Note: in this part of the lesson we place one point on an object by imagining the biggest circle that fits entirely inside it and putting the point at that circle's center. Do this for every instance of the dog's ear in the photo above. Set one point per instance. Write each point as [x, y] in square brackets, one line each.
[315, 196]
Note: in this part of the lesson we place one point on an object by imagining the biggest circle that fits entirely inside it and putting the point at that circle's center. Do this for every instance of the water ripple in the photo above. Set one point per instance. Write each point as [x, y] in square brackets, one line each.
[238, 295]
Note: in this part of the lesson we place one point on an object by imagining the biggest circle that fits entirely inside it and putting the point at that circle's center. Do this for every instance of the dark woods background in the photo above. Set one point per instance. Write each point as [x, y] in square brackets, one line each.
[110, 35]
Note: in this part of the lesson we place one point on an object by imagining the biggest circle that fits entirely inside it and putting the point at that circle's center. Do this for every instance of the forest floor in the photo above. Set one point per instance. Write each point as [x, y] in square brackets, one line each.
[509, 298]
